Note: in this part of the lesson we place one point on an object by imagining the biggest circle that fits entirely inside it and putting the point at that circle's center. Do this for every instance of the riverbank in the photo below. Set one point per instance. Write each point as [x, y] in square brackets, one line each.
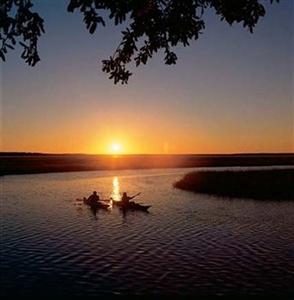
[30, 163]
[275, 184]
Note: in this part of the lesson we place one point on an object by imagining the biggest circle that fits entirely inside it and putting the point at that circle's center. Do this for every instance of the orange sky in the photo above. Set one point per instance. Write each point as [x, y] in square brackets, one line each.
[157, 137]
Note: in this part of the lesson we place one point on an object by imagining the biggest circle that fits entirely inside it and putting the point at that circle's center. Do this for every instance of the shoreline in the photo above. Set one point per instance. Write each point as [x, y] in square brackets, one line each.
[43, 163]
[274, 184]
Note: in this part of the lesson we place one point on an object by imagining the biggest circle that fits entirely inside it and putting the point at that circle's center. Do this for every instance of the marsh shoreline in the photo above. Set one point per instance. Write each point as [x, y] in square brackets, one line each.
[274, 184]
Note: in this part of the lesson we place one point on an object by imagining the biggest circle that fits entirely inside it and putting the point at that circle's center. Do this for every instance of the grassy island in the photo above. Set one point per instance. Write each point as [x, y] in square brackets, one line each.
[274, 184]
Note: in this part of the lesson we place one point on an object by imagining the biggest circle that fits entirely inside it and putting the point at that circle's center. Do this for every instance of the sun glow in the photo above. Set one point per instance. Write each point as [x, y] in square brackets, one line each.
[116, 148]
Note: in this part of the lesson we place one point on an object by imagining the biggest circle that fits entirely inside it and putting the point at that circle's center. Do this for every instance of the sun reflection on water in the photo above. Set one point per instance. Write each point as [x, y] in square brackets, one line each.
[115, 195]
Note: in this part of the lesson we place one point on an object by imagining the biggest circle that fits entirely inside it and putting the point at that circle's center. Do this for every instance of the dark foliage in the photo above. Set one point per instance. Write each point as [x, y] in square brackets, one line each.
[275, 184]
[152, 25]
[18, 21]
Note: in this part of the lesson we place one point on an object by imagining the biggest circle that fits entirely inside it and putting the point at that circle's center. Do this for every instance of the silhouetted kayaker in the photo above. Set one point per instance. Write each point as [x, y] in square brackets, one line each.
[93, 199]
[126, 199]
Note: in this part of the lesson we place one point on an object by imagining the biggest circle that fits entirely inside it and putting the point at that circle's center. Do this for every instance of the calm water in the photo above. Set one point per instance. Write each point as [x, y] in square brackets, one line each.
[188, 243]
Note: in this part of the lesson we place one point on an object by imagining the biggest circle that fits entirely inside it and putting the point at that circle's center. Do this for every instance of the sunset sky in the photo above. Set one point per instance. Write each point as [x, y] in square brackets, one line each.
[231, 91]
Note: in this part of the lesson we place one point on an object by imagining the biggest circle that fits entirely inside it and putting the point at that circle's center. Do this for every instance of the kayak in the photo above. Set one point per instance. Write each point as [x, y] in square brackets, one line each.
[96, 205]
[132, 206]
[99, 205]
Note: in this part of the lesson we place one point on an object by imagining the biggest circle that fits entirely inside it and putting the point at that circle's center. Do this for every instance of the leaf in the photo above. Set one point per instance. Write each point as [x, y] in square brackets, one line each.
[24, 45]
[9, 46]
[93, 28]
[72, 6]
[2, 55]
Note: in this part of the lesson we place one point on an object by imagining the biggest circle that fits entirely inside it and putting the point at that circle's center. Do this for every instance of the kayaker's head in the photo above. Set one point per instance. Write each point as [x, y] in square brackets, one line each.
[124, 194]
[94, 193]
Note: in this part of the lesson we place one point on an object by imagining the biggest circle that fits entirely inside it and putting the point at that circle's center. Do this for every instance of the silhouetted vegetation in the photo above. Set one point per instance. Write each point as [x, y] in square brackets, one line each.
[23, 163]
[275, 184]
[152, 25]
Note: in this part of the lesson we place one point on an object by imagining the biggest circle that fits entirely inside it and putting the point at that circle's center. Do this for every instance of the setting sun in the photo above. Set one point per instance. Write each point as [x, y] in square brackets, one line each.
[116, 148]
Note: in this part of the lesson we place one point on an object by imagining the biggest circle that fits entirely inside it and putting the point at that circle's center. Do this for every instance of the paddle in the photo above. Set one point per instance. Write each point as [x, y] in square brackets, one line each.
[106, 200]
[136, 195]
[110, 199]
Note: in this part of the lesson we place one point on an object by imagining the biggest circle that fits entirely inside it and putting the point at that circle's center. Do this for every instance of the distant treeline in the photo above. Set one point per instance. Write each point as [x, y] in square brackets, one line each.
[27, 163]
[20, 153]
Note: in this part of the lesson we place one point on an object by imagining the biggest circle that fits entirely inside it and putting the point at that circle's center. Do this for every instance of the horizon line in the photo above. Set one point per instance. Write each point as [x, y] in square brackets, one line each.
[140, 154]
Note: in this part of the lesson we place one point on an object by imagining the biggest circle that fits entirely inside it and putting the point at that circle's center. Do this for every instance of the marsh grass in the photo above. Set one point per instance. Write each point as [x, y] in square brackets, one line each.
[274, 184]
[30, 163]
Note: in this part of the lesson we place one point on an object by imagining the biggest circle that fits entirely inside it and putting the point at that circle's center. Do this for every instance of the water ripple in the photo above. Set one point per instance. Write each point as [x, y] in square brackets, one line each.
[188, 244]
